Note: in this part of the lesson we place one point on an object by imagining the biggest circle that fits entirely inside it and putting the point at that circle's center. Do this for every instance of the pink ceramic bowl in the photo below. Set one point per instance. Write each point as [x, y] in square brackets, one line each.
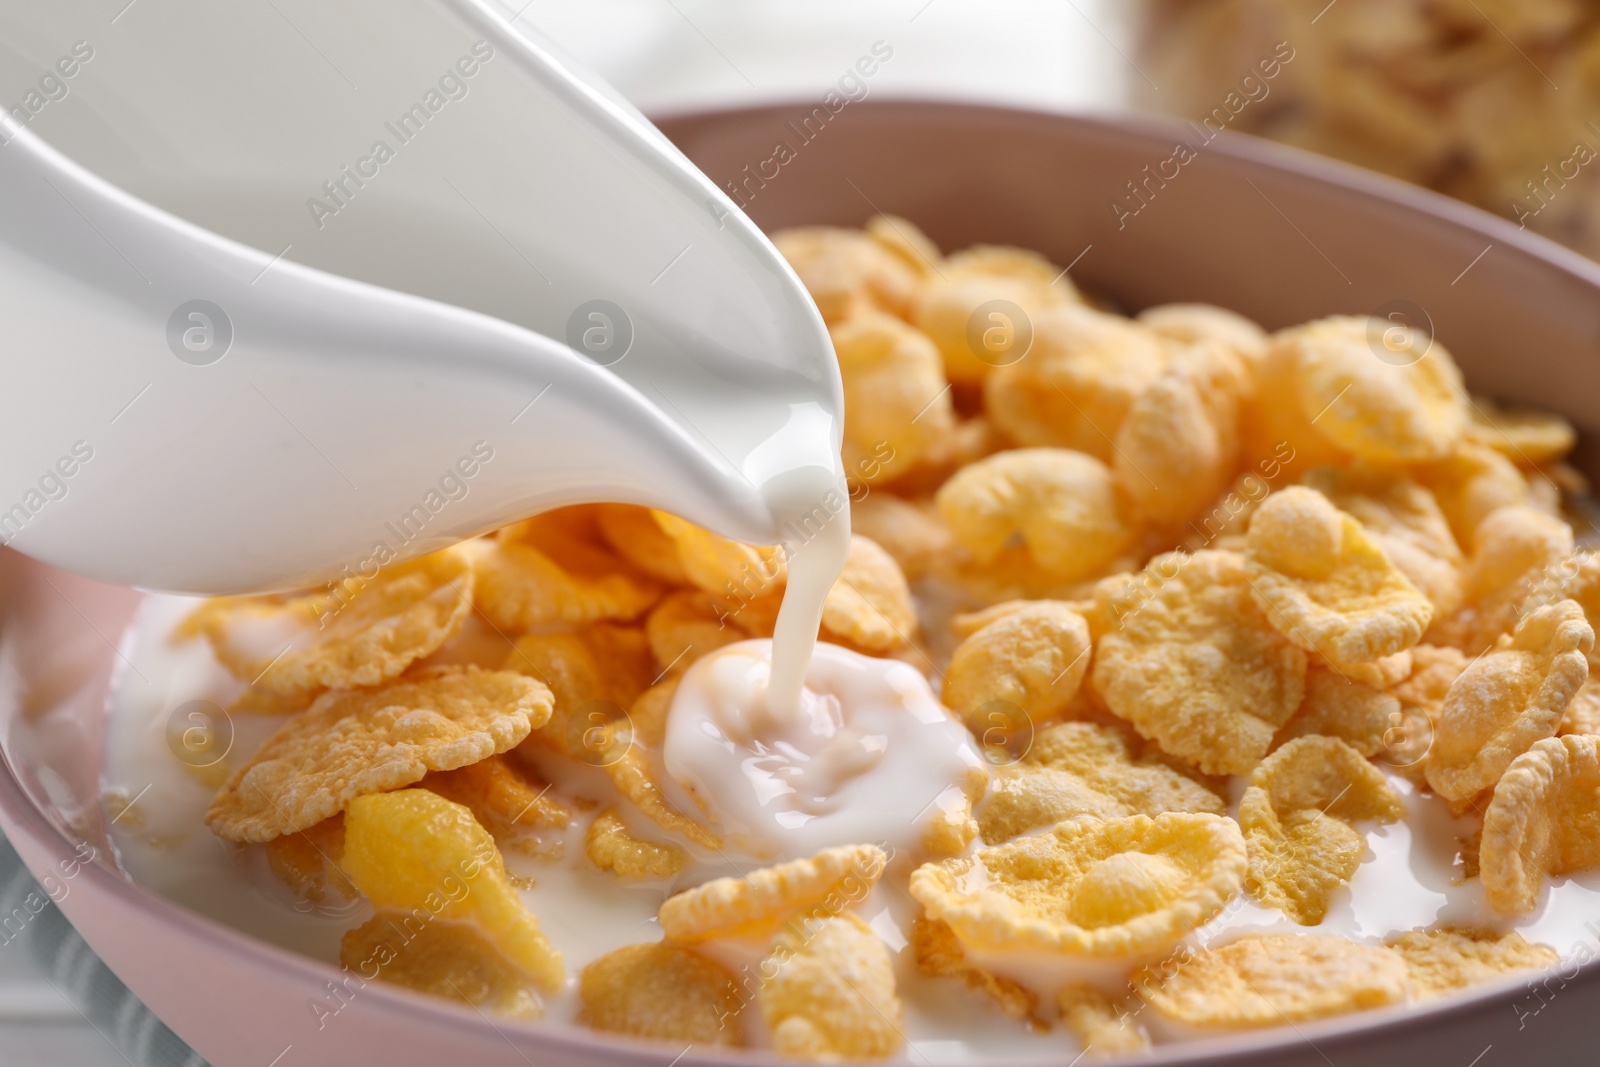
[1279, 236]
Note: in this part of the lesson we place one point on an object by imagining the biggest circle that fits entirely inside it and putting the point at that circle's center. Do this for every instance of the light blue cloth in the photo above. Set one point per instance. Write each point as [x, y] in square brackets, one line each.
[80, 976]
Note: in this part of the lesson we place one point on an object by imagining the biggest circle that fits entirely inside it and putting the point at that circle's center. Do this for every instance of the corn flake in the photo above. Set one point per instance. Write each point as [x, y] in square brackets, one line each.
[1080, 377]
[364, 633]
[413, 850]
[987, 275]
[831, 992]
[1033, 659]
[1110, 887]
[847, 272]
[1178, 447]
[633, 533]
[1297, 814]
[938, 952]
[1326, 585]
[1273, 979]
[1405, 521]
[456, 960]
[1444, 959]
[1062, 505]
[1408, 409]
[1193, 663]
[308, 862]
[550, 569]
[869, 608]
[1338, 706]
[1542, 822]
[910, 531]
[1583, 714]
[764, 899]
[1079, 768]
[593, 674]
[897, 407]
[1102, 1027]
[1519, 555]
[686, 625]
[1190, 324]
[505, 800]
[611, 846]
[1528, 438]
[720, 566]
[1472, 483]
[354, 742]
[662, 991]
[1509, 698]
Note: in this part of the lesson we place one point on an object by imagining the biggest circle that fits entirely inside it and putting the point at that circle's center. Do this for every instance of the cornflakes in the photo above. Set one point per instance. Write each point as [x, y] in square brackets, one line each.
[1509, 698]
[633, 772]
[1277, 424]
[1326, 585]
[1434, 669]
[1407, 409]
[951, 826]
[1338, 706]
[831, 992]
[764, 899]
[720, 566]
[1079, 768]
[414, 851]
[1583, 714]
[685, 626]
[448, 959]
[634, 534]
[1193, 323]
[663, 991]
[1444, 959]
[896, 401]
[308, 862]
[540, 572]
[1297, 815]
[1195, 665]
[1517, 551]
[1380, 673]
[1272, 979]
[611, 846]
[504, 799]
[938, 952]
[1102, 1027]
[998, 282]
[1405, 521]
[1525, 437]
[593, 674]
[1083, 372]
[1542, 822]
[848, 272]
[354, 742]
[1033, 659]
[1061, 504]
[364, 634]
[1470, 484]
[869, 607]
[910, 531]
[907, 241]
[1111, 887]
[1178, 447]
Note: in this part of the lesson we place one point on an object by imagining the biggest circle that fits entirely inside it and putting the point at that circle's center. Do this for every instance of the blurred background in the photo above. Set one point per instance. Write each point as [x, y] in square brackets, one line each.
[1491, 101]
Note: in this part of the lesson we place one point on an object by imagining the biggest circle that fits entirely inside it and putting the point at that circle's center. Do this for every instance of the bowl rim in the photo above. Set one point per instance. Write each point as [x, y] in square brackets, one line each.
[21, 817]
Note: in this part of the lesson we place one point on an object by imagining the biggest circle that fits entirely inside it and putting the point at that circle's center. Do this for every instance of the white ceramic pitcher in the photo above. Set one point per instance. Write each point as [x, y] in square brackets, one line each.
[294, 287]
